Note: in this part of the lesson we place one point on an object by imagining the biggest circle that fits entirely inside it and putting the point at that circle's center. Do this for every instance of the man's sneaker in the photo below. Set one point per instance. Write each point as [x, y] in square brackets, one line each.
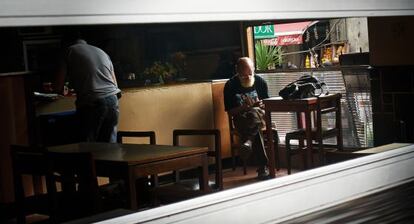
[263, 173]
[245, 150]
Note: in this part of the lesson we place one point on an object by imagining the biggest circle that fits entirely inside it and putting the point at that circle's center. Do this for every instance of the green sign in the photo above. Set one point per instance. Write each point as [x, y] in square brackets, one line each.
[264, 32]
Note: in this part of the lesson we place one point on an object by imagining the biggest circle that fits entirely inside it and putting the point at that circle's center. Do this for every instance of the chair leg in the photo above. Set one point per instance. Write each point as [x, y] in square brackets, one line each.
[288, 156]
[322, 161]
[219, 180]
[275, 146]
[303, 153]
[154, 180]
[244, 165]
[176, 176]
[233, 158]
[244, 168]
[321, 153]
[276, 155]
[21, 216]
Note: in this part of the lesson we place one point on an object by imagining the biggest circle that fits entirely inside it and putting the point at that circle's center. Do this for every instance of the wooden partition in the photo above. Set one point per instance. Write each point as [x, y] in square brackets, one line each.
[181, 106]
[165, 108]
[14, 127]
[221, 120]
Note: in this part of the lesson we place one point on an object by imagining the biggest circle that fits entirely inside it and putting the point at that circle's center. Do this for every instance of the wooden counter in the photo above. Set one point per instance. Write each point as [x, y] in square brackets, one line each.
[60, 105]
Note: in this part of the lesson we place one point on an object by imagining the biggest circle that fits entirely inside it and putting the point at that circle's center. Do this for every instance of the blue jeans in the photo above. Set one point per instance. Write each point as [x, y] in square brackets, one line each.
[99, 119]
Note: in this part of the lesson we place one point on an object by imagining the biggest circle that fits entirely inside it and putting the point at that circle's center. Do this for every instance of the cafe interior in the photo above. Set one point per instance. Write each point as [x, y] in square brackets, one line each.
[177, 154]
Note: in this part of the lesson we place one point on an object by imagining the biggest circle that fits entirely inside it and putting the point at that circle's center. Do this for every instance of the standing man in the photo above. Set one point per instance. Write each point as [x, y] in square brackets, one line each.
[91, 73]
[243, 95]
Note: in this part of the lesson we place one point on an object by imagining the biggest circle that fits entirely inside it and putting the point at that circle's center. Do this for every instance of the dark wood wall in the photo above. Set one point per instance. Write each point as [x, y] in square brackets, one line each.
[131, 47]
[393, 96]
[392, 79]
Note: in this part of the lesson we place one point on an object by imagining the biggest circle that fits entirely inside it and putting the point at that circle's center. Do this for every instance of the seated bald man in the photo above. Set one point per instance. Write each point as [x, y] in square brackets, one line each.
[243, 94]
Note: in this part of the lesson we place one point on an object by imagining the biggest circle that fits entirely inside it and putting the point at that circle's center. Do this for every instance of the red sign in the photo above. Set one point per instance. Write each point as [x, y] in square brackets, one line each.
[284, 40]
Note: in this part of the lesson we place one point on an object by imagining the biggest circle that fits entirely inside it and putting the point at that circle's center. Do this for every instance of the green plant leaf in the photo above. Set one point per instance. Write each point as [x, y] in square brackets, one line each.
[267, 56]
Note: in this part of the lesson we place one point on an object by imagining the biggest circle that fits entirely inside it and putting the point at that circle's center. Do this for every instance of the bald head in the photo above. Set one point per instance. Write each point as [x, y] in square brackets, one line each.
[244, 63]
[245, 71]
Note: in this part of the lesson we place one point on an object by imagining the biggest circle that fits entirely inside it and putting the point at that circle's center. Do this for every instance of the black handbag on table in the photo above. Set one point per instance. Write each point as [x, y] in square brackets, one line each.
[306, 86]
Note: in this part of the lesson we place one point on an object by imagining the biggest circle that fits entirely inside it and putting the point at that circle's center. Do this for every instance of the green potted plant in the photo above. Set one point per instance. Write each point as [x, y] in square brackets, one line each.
[268, 56]
[160, 72]
[178, 60]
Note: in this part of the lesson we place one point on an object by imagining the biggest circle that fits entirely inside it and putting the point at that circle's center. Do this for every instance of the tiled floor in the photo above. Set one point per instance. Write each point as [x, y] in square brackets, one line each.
[236, 178]
[231, 179]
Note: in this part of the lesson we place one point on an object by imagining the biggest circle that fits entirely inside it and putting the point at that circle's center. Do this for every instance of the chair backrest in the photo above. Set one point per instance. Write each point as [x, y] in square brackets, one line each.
[139, 134]
[153, 181]
[330, 104]
[75, 172]
[29, 160]
[217, 148]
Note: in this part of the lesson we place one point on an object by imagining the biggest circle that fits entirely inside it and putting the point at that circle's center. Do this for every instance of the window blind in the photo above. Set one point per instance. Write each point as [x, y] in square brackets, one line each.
[356, 104]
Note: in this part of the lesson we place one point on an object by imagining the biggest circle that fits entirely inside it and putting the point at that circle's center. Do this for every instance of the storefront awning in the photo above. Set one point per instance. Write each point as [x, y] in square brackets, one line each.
[289, 33]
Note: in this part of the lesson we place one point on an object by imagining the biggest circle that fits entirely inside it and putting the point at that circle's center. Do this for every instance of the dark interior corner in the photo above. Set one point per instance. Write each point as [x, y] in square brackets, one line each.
[392, 92]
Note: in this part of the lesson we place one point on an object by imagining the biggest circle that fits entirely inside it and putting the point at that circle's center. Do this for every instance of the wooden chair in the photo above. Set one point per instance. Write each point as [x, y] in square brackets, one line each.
[325, 105]
[235, 144]
[185, 189]
[216, 154]
[29, 160]
[140, 134]
[76, 176]
[74, 189]
[142, 184]
[137, 134]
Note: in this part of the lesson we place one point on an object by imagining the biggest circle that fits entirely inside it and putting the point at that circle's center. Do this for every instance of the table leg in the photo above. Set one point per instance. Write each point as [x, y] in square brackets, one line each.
[38, 185]
[338, 120]
[131, 189]
[300, 120]
[308, 130]
[203, 176]
[270, 146]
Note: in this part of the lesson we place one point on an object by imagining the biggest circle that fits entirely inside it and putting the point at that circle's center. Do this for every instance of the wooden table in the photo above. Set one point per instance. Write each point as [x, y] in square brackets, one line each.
[131, 161]
[277, 104]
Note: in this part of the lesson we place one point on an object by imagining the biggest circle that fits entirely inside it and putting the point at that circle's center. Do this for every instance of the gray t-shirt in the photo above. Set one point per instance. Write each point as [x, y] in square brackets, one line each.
[90, 71]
